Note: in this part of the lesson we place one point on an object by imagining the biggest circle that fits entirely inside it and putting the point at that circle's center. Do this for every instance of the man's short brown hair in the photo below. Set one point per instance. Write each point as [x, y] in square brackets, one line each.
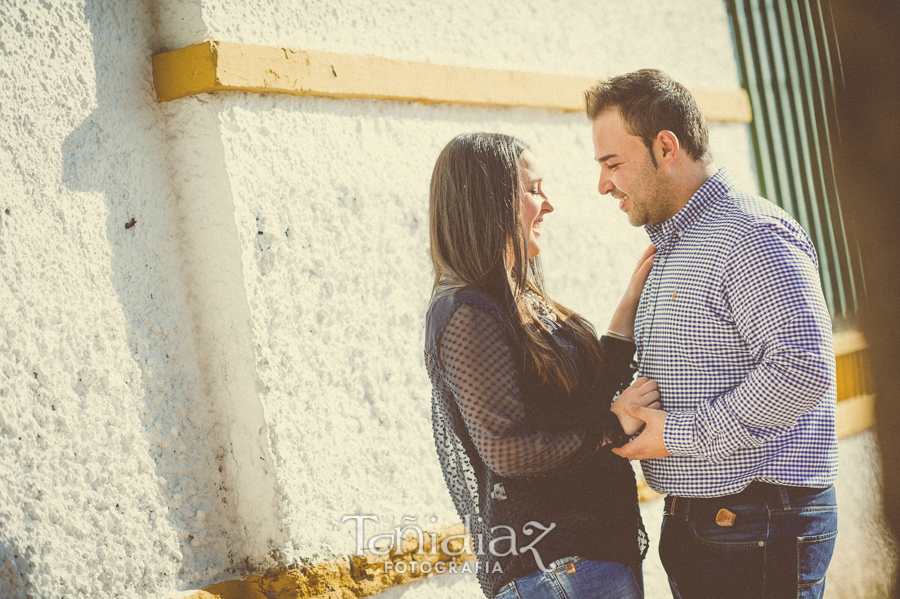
[649, 101]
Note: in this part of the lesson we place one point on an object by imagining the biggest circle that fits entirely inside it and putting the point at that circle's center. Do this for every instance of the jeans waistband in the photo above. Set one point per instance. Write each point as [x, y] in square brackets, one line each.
[757, 492]
[561, 562]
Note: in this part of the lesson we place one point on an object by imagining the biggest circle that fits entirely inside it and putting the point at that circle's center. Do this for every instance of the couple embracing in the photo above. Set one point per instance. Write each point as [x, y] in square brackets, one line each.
[535, 418]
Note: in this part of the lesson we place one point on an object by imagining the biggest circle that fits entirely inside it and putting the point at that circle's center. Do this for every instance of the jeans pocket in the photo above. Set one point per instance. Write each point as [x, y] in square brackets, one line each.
[508, 592]
[813, 557]
[816, 525]
[749, 528]
[706, 560]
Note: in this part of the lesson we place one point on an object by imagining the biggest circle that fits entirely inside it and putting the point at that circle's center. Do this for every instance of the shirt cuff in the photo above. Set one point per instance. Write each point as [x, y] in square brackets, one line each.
[612, 429]
[678, 433]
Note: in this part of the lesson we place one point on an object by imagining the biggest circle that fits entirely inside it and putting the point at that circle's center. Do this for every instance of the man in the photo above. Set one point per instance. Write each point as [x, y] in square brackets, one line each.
[733, 327]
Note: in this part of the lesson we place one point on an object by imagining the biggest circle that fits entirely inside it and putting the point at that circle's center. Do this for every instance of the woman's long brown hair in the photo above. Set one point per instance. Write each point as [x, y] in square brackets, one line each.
[476, 230]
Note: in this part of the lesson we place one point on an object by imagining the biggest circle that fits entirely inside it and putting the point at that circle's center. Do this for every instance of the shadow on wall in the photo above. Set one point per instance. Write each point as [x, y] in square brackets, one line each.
[119, 151]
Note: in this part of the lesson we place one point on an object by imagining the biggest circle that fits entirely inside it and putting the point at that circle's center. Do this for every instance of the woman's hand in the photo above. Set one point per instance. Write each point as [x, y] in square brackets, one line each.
[642, 392]
[622, 323]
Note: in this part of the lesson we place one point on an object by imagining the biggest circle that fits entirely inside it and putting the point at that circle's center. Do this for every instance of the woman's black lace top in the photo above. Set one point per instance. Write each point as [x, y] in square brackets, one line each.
[521, 458]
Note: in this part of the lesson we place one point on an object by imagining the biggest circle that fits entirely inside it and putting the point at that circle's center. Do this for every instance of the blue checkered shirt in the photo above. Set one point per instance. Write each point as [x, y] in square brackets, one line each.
[733, 327]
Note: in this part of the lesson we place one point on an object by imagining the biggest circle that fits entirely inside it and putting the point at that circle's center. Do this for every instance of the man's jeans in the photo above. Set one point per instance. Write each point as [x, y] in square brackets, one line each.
[778, 545]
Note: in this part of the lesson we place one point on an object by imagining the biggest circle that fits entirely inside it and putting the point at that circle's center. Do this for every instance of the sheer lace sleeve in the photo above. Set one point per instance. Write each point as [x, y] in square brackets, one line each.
[481, 372]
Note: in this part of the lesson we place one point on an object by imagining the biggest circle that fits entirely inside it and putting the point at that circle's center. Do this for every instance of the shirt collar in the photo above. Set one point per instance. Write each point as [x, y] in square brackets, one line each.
[715, 187]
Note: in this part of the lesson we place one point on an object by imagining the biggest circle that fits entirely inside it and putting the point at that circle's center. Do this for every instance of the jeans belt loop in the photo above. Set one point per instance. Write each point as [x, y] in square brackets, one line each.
[785, 498]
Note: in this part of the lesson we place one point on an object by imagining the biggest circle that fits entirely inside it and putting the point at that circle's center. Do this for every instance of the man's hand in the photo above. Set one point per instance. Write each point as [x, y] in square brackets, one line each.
[642, 392]
[649, 444]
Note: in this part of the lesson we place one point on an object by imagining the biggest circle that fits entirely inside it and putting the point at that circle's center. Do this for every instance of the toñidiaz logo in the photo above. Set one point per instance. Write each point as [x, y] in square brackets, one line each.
[413, 539]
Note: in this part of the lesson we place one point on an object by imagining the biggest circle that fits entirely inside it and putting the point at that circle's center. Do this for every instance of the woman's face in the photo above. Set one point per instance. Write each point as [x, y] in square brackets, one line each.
[534, 203]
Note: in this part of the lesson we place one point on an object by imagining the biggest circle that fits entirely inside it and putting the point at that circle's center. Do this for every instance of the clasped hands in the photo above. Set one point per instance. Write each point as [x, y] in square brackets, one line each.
[636, 407]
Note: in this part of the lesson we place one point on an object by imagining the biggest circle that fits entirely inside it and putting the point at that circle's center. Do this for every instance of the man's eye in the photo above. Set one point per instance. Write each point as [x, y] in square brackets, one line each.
[613, 167]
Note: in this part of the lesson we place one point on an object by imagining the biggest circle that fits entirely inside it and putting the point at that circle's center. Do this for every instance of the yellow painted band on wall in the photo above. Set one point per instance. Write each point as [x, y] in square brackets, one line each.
[353, 576]
[226, 66]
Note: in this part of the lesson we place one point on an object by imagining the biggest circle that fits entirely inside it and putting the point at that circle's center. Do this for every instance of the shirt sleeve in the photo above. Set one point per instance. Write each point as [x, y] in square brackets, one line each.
[480, 370]
[771, 286]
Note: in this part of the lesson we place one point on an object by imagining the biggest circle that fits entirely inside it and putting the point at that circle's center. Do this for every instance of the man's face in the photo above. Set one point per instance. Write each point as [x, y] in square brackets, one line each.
[628, 174]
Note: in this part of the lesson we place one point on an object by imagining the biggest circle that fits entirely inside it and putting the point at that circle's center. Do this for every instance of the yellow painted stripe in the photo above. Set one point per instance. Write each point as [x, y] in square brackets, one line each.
[355, 575]
[645, 493]
[854, 377]
[848, 342]
[855, 415]
[226, 66]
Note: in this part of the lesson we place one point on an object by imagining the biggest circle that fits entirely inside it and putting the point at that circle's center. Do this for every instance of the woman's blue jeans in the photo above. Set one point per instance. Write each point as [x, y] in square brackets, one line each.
[775, 548]
[576, 578]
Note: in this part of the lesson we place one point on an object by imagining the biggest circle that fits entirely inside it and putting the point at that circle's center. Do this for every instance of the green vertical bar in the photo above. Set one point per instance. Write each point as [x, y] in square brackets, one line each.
[787, 118]
[773, 132]
[744, 29]
[822, 98]
[789, 59]
[831, 69]
[796, 86]
[790, 165]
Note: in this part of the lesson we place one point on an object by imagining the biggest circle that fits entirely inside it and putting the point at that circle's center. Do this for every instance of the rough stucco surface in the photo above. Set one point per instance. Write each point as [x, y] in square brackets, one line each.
[690, 40]
[109, 482]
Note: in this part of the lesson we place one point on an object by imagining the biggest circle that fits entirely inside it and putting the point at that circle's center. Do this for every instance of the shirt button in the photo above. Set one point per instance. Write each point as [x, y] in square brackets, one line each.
[661, 261]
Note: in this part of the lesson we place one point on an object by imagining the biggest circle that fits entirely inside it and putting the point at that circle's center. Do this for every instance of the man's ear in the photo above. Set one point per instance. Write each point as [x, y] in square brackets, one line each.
[666, 147]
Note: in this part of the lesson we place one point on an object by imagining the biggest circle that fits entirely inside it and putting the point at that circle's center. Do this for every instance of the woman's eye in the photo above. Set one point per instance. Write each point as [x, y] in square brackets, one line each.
[536, 191]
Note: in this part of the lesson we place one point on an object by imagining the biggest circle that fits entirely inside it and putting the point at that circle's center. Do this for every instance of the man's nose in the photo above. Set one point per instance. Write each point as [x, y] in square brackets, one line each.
[605, 185]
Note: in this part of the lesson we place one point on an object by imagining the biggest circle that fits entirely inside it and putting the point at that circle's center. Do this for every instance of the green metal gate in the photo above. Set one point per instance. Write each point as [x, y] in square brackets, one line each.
[790, 66]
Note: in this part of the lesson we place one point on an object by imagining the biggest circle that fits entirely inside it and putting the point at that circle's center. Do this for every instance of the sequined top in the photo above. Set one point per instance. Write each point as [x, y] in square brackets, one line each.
[520, 458]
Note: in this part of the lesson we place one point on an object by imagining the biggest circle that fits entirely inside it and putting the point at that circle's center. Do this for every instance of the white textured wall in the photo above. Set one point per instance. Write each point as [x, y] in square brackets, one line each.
[106, 455]
[690, 40]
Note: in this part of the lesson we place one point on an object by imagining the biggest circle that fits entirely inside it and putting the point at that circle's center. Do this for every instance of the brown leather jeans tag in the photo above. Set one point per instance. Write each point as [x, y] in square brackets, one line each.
[570, 568]
[725, 517]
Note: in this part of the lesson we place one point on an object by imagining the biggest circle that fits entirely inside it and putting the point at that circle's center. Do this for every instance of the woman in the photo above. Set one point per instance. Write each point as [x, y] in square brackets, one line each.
[522, 389]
